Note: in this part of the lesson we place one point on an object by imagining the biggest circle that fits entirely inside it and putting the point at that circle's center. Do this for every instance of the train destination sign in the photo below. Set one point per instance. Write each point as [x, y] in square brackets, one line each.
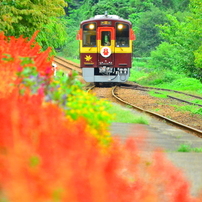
[105, 22]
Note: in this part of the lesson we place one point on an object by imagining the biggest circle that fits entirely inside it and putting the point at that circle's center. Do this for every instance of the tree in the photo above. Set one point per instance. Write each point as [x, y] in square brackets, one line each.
[147, 31]
[196, 21]
[53, 34]
[176, 5]
[141, 6]
[22, 17]
[184, 38]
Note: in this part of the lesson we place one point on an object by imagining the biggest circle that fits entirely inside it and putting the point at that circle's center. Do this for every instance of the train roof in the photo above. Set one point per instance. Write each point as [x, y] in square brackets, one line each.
[106, 17]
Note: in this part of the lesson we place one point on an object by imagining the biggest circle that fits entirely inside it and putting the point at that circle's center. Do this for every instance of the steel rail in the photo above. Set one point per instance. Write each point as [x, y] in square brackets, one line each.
[183, 126]
[66, 65]
[161, 89]
[172, 97]
[90, 88]
[175, 98]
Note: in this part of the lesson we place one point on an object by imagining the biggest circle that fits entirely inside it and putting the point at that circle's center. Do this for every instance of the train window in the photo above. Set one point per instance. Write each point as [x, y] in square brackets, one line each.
[106, 38]
[89, 35]
[122, 35]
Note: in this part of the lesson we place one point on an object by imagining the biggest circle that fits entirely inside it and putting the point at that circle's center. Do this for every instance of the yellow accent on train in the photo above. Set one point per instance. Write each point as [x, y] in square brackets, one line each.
[111, 46]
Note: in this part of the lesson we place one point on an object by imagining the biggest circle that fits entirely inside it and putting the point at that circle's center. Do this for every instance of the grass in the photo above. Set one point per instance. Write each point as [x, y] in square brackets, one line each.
[189, 108]
[156, 110]
[169, 79]
[192, 109]
[188, 148]
[159, 95]
[197, 101]
[68, 58]
[124, 115]
[74, 60]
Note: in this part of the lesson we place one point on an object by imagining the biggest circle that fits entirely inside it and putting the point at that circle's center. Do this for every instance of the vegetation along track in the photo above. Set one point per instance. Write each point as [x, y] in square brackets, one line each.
[162, 108]
[167, 107]
[187, 98]
[66, 65]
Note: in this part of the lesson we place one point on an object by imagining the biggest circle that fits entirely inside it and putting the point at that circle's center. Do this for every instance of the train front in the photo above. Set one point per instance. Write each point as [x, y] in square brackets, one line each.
[106, 49]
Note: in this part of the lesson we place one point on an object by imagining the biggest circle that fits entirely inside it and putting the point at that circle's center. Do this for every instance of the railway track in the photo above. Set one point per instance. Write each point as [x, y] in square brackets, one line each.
[183, 126]
[66, 65]
[115, 94]
[160, 90]
[169, 139]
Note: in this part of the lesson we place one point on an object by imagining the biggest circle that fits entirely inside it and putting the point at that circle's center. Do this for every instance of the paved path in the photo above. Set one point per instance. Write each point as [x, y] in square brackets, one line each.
[160, 134]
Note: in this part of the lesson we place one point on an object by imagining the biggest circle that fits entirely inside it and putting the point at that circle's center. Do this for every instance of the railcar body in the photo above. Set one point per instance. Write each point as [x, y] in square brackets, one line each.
[105, 48]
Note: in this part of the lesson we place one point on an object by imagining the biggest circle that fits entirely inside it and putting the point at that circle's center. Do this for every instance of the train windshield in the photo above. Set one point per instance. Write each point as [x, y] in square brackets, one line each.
[89, 35]
[106, 38]
[122, 35]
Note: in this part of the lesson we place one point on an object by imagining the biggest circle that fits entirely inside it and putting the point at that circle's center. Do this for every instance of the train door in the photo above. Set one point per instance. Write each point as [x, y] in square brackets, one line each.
[106, 46]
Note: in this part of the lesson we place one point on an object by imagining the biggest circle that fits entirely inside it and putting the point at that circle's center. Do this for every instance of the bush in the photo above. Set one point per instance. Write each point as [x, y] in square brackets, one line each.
[198, 57]
[171, 57]
[32, 73]
[158, 77]
[187, 84]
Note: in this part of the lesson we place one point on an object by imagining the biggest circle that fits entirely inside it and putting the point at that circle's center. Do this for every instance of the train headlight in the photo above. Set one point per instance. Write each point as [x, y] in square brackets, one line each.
[91, 26]
[120, 26]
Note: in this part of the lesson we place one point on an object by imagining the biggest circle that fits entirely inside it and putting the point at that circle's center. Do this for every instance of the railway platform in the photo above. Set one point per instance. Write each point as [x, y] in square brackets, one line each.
[168, 138]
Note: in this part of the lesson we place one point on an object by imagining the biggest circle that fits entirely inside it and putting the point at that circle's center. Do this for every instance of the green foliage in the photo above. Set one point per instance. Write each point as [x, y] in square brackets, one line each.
[172, 57]
[184, 148]
[196, 21]
[53, 34]
[159, 95]
[175, 5]
[139, 69]
[198, 57]
[114, 7]
[137, 74]
[141, 6]
[158, 77]
[188, 148]
[187, 84]
[102, 6]
[190, 108]
[22, 17]
[147, 31]
[122, 115]
[197, 101]
[71, 48]
[182, 50]
[83, 104]
[66, 92]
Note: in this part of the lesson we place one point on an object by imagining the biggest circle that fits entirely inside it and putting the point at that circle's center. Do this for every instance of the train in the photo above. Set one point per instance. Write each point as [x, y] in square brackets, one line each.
[105, 48]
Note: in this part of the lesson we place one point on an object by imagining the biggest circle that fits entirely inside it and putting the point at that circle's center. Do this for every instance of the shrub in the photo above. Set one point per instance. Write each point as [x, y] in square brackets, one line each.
[32, 73]
[22, 53]
[46, 157]
[188, 148]
[198, 57]
[171, 57]
[158, 78]
[18, 54]
[187, 84]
